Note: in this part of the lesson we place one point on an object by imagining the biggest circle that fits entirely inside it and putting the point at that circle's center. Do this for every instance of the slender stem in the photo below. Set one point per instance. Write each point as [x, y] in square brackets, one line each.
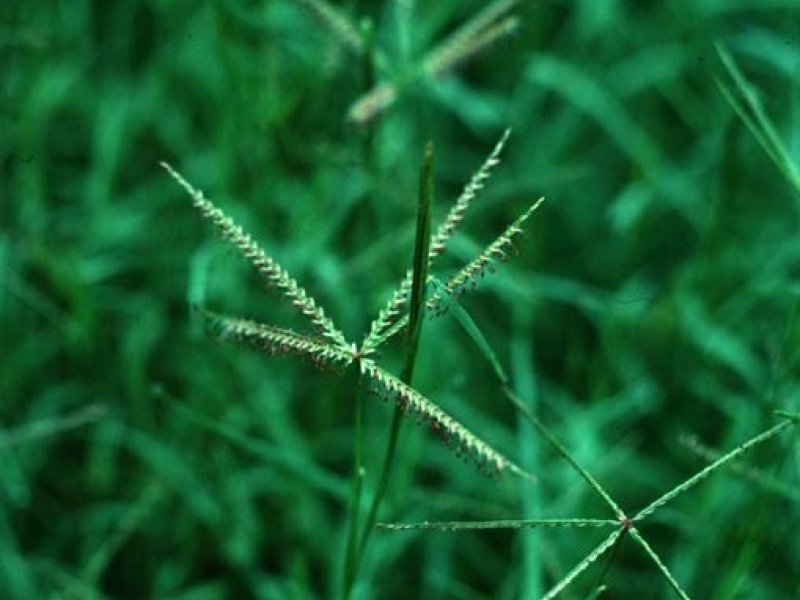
[553, 441]
[351, 552]
[482, 343]
[383, 481]
[501, 524]
[675, 586]
[676, 491]
[609, 561]
[417, 313]
[584, 564]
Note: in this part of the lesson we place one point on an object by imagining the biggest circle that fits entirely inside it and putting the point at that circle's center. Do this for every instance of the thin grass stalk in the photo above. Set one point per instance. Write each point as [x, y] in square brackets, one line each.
[757, 476]
[699, 476]
[383, 327]
[417, 313]
[351, 552]
[448, 303]
[757, 120]
[498, 524]
[656, 559]
[609, 561]
[599, 550]
[483, 345]
[559, 447]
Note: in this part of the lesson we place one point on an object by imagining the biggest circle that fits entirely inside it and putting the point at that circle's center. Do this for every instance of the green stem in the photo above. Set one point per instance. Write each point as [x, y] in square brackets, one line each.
[735, 453]
[559, 447]
[417, 313]
[659, 563]
[351, 552]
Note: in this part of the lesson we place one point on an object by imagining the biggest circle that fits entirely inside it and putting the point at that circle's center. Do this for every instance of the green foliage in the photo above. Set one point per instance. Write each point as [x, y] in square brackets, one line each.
[654, 301]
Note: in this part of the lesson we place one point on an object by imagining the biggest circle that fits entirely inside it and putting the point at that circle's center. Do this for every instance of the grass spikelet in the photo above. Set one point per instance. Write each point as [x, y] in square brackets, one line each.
[481, 31]
[498, 250]
[461, 48]
[601, 549]
[264, 264]
[375, 101]
[385, 325]
[276, 340]
[334, 21]
[659, 563]
[476, 183]
[502, 524]
[447, 428]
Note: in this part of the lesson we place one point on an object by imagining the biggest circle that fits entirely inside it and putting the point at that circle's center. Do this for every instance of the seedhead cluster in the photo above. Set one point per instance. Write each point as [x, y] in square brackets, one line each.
[327, 346]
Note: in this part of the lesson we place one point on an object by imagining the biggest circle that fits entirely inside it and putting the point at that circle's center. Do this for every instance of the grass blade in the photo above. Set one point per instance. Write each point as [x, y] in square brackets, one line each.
[421, 259]
[416, 317]
[471, 328]
[385, 326]
[755, 118]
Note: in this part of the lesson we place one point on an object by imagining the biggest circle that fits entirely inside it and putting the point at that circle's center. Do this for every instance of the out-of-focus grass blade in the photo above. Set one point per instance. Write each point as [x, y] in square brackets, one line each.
[750, 109]
[304, 469]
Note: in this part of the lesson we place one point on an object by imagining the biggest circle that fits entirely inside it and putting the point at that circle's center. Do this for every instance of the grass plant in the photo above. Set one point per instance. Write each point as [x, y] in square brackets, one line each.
[327, 346]
[648, 325]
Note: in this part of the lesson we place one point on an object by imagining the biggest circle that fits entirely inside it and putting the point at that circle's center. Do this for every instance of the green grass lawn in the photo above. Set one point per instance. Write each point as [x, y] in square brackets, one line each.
[647, 320]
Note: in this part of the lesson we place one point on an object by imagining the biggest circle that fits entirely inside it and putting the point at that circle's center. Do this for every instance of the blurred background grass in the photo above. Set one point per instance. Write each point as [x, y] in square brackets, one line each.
[651, 315]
